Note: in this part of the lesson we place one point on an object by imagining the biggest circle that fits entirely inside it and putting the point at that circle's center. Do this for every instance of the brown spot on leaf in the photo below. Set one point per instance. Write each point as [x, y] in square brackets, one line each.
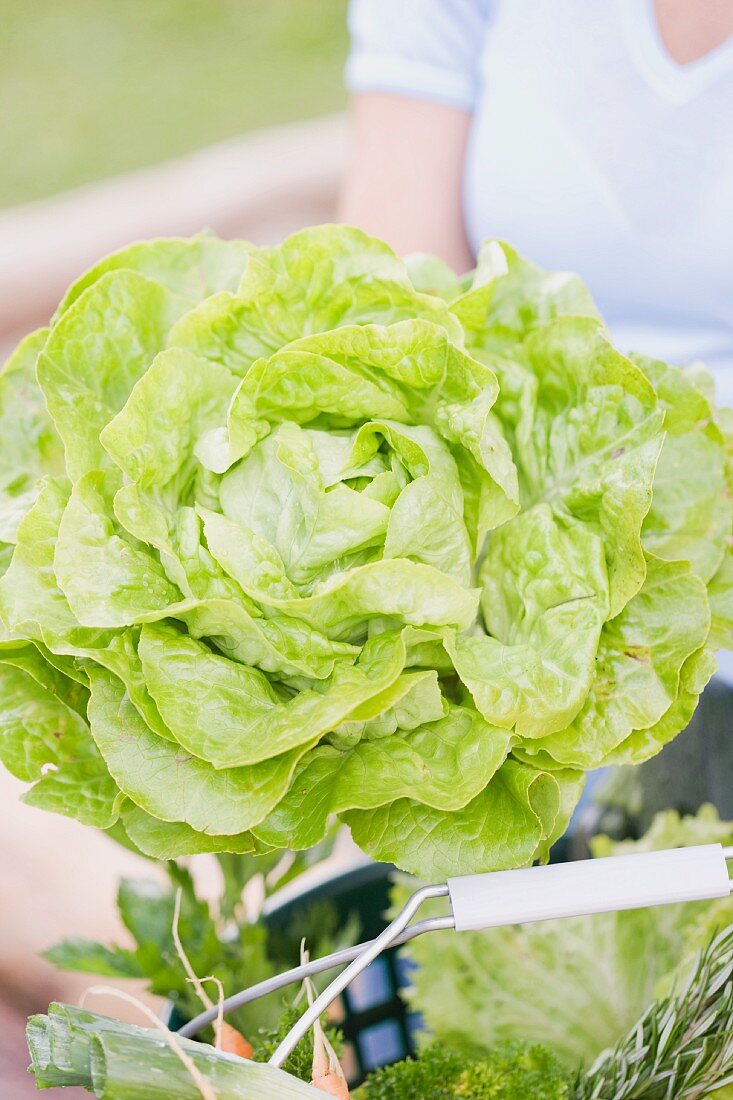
[640, 653]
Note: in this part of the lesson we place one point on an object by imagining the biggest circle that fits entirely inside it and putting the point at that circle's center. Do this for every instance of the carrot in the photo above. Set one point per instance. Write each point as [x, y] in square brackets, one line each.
[233, 1042]
[327, 1074]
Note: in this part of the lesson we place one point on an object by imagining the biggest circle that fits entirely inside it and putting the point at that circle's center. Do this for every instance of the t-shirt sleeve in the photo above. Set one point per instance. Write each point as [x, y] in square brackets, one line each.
[424, 48]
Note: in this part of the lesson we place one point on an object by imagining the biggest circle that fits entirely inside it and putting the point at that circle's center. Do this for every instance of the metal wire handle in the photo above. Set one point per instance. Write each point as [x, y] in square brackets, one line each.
[315, 966]
[384, 939]
[710, 883]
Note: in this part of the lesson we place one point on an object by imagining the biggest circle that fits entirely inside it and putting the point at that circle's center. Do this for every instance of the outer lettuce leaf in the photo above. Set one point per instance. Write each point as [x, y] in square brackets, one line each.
[31, 660]
[720, 589]
[444, 764]
[429, 275]
[31, 602]
[32, 447]
[648, 684]
[510, 296]
[169, 783]
[52, 728]
[586, 431]
[109, 579]
[239, 719]
[120, 657]
[94, 355]
[507, 825]
[193, 268]
[152, 437]
[691, 514]
[171, 840]
[545, 599]
[640, 658]
[720, 594]
[45, 741]
[642, 744]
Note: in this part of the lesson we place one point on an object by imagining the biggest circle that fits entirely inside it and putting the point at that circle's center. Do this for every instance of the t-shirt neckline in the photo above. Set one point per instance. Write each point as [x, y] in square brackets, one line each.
[672, 79]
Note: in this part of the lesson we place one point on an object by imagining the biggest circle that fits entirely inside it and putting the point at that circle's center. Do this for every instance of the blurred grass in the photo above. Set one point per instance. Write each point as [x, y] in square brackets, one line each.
[89, 88]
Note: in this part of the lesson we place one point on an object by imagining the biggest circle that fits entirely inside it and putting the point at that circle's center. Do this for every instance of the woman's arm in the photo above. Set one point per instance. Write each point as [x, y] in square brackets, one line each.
[405, 176]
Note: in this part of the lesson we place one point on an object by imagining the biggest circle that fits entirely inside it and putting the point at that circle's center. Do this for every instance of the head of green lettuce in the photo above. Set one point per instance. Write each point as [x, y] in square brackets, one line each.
[301, 532]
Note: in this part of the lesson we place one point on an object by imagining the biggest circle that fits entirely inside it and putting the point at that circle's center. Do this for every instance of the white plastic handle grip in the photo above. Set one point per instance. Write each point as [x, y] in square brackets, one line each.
[589, 886]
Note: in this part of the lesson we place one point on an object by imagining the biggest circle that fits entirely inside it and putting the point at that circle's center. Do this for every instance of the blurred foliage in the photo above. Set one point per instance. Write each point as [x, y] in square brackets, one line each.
[219, 939]
[90, 88]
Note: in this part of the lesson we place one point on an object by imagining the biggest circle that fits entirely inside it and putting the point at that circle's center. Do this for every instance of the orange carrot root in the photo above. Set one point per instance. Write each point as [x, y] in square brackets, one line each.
[233, 1042]
[334, 1086]
[327, 1074]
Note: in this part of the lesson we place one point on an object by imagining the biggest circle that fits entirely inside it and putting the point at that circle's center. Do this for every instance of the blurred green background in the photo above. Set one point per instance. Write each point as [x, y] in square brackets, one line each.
[89, 88]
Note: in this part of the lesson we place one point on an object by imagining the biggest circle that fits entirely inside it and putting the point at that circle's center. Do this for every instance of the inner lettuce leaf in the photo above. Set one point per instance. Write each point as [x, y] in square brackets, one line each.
[297, 533]
[317, 280]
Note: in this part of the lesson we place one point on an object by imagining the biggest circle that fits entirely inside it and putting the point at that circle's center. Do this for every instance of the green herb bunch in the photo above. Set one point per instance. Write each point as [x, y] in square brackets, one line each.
[300, 1063]
[682, 1047]
[433, 1073]
[509, 1072]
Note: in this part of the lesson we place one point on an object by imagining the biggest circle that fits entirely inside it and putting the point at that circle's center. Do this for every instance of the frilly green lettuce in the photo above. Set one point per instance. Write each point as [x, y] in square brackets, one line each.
[285, 535]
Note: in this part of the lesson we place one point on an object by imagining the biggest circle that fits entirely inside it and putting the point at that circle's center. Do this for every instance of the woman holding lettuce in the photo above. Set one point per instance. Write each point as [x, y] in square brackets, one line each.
[594, 137]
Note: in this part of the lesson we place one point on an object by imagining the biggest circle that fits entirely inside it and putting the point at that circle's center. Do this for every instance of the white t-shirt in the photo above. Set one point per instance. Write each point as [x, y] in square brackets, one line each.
[591, 150]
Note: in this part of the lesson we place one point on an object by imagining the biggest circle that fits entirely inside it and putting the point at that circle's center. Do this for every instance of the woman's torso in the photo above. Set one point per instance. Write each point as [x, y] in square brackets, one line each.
[592, 150]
